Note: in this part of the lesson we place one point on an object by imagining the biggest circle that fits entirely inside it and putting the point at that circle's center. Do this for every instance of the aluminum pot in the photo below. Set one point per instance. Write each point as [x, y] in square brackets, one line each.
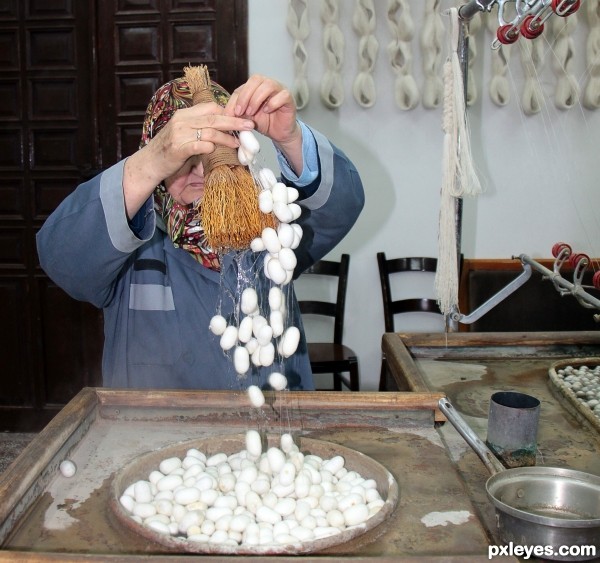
[549, 508]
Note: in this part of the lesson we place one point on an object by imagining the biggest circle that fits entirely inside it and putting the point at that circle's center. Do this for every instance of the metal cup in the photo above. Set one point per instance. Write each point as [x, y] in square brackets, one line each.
[512, 428]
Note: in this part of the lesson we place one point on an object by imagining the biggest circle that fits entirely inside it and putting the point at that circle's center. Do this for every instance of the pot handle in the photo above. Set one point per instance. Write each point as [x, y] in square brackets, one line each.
[485, 454]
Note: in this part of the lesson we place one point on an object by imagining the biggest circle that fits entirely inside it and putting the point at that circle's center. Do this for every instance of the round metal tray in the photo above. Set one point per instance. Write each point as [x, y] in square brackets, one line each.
[140, 468]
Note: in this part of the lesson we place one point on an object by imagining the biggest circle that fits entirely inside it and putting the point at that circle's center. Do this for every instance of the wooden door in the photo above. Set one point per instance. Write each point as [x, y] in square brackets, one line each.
[75, 79]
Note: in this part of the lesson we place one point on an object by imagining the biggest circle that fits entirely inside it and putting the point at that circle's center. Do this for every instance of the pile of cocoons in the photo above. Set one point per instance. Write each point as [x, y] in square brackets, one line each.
[584, 382]
[252, 498]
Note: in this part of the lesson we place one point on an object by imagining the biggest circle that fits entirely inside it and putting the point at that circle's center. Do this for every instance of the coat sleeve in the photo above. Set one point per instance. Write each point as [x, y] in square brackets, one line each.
[333, 206]
[85, 242]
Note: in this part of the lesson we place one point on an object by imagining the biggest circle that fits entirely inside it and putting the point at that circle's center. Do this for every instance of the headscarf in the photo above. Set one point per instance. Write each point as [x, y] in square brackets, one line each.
[182, 221]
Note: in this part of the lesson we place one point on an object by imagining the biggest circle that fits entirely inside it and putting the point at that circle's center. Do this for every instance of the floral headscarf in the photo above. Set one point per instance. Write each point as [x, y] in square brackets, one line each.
[182, 221]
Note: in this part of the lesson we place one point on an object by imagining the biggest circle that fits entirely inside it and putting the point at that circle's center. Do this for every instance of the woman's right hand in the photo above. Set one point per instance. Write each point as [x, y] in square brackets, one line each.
[174, 144]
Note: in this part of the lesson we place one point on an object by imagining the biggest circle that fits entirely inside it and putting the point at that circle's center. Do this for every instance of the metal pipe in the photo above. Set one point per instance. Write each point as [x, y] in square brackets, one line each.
[467, 11]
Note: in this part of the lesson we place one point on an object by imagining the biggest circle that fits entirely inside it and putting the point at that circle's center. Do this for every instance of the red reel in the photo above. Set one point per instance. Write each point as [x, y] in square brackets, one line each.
[567, 9]
[506, 34]
[559, 247]
[596, 279]
[531, 27]
[574, 259]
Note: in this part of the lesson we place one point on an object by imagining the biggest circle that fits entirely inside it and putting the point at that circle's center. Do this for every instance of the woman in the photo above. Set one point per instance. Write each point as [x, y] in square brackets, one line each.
[130, 241]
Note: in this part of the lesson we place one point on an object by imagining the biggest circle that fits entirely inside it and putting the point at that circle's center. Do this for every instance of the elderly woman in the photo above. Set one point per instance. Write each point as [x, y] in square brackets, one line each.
[130, 241]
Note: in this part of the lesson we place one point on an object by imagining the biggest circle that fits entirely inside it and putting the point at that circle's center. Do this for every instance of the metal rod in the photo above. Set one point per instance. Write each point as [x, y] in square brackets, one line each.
[576, 290]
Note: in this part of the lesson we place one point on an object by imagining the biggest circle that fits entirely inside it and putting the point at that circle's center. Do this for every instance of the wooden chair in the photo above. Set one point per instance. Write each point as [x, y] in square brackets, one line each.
[393, 307]
[332, 357]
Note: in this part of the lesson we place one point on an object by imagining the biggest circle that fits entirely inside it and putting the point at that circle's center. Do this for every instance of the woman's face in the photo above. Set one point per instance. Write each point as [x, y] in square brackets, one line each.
[187, 184]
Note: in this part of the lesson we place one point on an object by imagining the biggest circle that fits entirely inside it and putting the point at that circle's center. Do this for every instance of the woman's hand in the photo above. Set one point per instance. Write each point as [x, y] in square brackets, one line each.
[190, 132]
[272, 108]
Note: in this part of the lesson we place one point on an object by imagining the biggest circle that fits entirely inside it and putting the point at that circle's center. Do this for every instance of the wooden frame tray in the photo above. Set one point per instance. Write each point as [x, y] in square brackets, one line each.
[46, 517]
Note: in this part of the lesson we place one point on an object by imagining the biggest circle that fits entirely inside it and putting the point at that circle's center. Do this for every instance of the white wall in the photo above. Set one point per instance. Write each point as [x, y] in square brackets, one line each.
[540, 171]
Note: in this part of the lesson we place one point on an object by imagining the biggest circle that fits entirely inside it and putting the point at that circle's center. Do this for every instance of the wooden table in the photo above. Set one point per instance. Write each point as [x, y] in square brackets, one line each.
[469, 367]
[46, 517]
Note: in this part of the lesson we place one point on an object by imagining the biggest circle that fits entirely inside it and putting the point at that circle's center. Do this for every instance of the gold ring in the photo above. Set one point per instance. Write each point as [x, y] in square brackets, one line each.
[198, 134]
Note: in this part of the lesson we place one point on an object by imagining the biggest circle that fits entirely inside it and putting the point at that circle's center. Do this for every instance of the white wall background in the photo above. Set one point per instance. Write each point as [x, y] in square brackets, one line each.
[540, 172]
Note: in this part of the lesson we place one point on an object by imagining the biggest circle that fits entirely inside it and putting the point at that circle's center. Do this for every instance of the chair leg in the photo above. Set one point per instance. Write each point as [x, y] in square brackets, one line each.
[383, 375]
[337, 382]
[354, 380]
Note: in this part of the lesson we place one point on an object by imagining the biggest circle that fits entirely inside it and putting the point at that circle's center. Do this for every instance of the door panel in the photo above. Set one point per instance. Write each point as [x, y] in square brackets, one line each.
[75, 79]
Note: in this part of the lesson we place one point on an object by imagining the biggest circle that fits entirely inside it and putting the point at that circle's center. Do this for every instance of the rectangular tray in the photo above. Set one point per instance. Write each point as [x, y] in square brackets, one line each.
[46, 517]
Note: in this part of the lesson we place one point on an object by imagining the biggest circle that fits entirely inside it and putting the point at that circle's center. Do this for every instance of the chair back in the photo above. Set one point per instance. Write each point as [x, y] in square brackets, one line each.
[392, 307]
[336, 309]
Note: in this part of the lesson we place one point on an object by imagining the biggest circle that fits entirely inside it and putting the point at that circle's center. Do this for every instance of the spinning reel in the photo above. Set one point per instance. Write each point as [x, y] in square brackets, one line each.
[526, 17]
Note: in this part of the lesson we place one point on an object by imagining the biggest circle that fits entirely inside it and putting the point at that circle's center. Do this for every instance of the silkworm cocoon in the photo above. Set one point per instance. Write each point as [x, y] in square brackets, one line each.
[356, 514]
[327, 503]
[265, 201]
[217, 325]
[248, 474]
[257, 399]
[349, 500]
[191, 518]
[292, 194]
[267, 354]
[226, 501]
[275, 298]
[169, 483]
[286, 440]
[285, 232]
[291, 339]
[265, 334]
[295, 210]
[253, 443]
[245, 330]
[283, 212]
[302, 485]
[280, 193]
[229, 338]
[249, 300]
[252, 346]
[142, 492]
[144, 510]
[261, 486]
[157, 526]
[189, 461]
[285, 506]
[271, 240]
[297, 235]
[67, 468]
[335, 518]
[276, 272]
[287, 474]
[334, 464]
[255, 357]
[276, 322]
[266, 514]
[241, 360]
[239, 523]
[216, 459]
[257, 323]
[193, 452]
[127, 502]
[267, 178]
[209, 496]
[245, 158]
[257, 245]
[164, 506]
[301, 533]
[276, 459]
[249, 142]
[287, 259]
[187, 495]
[278, 382]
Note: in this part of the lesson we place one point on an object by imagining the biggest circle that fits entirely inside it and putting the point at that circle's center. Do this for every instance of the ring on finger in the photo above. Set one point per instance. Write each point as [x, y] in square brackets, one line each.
[199, 135]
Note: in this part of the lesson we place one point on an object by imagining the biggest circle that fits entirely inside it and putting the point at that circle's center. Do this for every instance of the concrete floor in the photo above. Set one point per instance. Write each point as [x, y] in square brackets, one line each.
[11, 445]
